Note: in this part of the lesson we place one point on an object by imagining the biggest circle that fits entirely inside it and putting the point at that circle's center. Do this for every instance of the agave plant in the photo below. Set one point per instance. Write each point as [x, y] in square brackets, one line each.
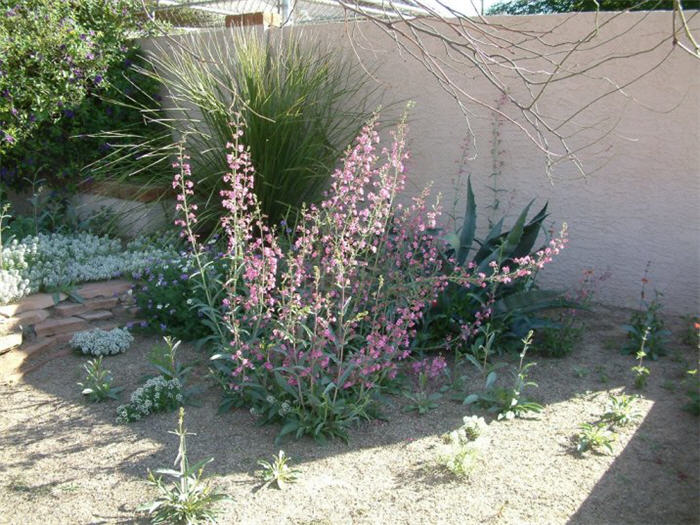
[514, 306]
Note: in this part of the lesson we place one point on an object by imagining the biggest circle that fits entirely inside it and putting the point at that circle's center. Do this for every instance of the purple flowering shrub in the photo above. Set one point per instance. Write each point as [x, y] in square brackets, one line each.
[53, 56]
[313, 333]
[168, 298]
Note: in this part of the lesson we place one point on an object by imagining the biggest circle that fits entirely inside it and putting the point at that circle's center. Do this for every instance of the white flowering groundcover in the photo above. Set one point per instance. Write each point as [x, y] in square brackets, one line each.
[52, 261]
[99, 342]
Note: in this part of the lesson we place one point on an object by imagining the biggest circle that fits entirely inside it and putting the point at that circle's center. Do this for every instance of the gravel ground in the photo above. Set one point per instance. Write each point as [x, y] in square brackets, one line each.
[64, 461]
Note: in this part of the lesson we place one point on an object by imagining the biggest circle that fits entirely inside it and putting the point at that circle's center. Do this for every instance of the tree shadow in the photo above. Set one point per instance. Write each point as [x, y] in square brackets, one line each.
[46, 419]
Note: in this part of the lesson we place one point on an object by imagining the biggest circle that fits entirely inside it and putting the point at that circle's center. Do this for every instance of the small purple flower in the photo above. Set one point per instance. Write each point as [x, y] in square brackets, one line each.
[143, 324]
[162, 327]
[9, 138]
[68, 113]
[98, 80]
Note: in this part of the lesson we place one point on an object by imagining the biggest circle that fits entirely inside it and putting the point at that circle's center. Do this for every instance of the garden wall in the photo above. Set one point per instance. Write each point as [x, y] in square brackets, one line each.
[639, 200]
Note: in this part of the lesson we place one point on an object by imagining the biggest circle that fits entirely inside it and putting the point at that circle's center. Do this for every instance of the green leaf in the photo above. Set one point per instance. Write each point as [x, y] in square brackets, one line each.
[468, 227]
[513, 238]
[288, 428]
[472, 398]
[489, 244]
[490, 380]
[530, 234]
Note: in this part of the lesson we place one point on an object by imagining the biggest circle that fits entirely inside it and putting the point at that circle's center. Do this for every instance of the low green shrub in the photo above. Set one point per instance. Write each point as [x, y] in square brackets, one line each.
[168, 297]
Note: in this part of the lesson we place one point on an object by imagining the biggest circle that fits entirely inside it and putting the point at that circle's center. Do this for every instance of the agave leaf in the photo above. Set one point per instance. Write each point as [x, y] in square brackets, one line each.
[452, 239]
[513, 238]
[488, 244]
[532, 301]
[530, 234]
[469, 227]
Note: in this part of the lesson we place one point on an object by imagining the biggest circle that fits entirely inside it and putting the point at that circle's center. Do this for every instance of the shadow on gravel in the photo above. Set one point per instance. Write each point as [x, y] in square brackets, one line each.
[45, 417]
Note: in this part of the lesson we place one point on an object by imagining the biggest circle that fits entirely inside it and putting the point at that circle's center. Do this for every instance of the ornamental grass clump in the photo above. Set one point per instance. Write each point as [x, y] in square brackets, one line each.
[313, 333]
[99, 342]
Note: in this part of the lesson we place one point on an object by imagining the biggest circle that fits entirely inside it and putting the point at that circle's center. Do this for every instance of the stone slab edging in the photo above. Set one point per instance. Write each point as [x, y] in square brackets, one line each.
[37, 325]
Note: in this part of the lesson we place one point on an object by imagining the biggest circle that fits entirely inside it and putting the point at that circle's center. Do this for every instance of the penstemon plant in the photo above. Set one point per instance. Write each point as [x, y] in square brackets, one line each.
[189, 499]
[594, 437]
[278, 471]
[427, 372]
[310, 335]
[641, 372]
[98, 382]
[508, 402]
[621, 410]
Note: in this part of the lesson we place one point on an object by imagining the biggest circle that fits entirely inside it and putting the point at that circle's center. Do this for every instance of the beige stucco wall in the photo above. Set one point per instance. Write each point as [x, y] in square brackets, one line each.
[640, 199]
